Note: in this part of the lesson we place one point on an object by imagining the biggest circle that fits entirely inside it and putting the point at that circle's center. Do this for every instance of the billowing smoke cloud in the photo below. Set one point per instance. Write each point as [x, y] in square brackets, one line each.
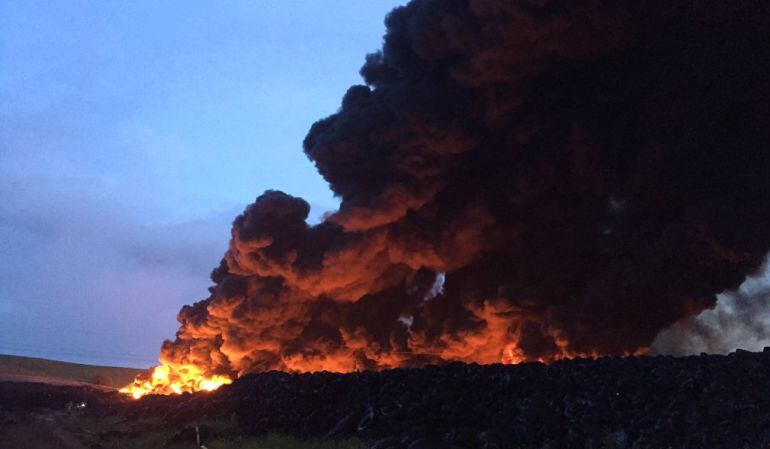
[741, 320]
[518, 181]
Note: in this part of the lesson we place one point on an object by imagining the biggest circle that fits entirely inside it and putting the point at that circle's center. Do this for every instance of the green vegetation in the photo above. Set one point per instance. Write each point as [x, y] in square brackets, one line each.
[33, 369]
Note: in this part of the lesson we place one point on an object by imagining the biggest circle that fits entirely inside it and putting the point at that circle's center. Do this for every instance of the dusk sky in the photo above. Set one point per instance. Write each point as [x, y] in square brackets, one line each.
[130, 137]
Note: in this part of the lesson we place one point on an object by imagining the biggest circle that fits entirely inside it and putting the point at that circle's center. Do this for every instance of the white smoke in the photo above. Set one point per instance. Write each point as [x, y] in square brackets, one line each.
[740, 320]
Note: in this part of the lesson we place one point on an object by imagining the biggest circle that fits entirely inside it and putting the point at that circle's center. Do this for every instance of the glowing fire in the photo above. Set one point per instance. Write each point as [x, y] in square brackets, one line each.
[168, 379]
[176, 378]
[182, 379]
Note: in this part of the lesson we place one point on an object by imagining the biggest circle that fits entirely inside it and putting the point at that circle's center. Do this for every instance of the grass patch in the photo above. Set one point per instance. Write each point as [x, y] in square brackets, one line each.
[116, 432]
[29, 368]
[274, 441]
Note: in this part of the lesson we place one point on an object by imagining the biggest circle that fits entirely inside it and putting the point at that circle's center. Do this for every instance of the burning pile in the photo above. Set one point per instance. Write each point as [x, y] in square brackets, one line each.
[518, 181]
[183, 379]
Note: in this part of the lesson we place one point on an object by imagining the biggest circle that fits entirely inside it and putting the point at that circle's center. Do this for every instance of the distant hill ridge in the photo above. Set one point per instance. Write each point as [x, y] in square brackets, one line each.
[30, 369]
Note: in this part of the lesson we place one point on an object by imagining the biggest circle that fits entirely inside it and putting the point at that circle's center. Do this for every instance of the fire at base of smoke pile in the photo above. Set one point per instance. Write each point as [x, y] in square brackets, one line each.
[518, 181]
[168, 379]
[165, 379]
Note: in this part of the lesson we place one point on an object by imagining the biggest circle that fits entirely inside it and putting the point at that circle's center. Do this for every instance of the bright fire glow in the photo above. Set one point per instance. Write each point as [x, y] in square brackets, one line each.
[173, 378]
[177, 380]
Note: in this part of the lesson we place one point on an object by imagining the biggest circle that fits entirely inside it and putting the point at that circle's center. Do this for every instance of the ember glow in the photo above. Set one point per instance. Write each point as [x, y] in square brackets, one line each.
[517, 183]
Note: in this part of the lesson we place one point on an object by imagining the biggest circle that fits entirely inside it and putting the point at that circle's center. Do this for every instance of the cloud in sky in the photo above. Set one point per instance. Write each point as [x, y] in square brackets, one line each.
[84, 278]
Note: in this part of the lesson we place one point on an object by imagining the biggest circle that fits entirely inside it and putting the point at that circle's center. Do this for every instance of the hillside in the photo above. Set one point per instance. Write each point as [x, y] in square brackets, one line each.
[29, 369]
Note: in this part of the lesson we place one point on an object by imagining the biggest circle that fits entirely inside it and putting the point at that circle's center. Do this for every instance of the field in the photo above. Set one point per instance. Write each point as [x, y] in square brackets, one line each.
[28, 369]
[78, 430]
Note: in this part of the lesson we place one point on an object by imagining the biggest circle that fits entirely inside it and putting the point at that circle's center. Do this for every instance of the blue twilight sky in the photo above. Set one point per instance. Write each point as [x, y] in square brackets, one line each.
[132, 133]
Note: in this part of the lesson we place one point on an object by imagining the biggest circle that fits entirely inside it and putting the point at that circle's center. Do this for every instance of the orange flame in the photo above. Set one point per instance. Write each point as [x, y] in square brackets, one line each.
[495, 342]
[165, 379]
[171, 379]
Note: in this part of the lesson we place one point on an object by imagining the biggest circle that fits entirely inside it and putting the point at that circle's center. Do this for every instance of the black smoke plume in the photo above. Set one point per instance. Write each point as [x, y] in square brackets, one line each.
[519, 180]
